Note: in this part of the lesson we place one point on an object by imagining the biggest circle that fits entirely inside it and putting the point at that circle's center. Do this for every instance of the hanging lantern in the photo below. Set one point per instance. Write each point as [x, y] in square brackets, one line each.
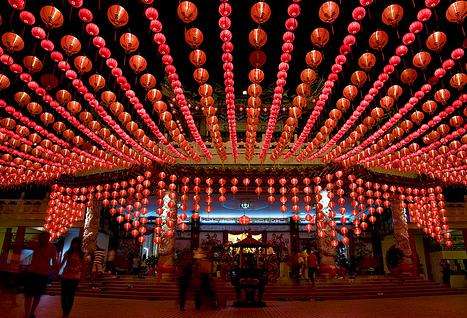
[194, 37]
[51, 16]
[328, 12]
[4, 82]
[367, 61]
[244, 220]
[129, 42]
[320, 37]
[32, 63]
[314, 58]
[395, 91]
[308, 76]
[436, 41]
[97, 82]
[350, 92]
[378, 40]
[137, 63]
[257, 38]
[12, 41]
[421, 59]
[408, 76]
[117, 15]
[458, 81]
[358, 78]
[456, 12]
[257, 58]
[260, 12]
[392, 15]
[83, 64]
[70, 44]
[187, 11]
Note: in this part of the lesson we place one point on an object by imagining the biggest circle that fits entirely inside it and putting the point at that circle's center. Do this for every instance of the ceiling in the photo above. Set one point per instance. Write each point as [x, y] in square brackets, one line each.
[89, 87]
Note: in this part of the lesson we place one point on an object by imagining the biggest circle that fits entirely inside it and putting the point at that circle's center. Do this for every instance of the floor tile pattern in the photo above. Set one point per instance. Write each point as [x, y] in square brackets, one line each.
[454, 306]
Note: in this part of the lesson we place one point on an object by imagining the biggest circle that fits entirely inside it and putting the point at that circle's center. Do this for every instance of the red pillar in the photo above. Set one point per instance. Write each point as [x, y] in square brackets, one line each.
[401, 237]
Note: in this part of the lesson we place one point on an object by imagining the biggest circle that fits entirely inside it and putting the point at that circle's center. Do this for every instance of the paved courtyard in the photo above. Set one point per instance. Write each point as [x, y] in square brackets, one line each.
[433, 307]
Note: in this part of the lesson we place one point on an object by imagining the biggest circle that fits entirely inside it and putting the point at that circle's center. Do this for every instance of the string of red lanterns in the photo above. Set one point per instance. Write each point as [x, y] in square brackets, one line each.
[48, 46]
[85, 65]
[291, 24]
[407, 144]
[408, 39]
[194, 38]
[170, 70]
[86, 16]
[128, 202]
[412, 102]
[460, 132]
[358, 14]
[420, 131]
[35, 87]
[39, 130]
[225, 10]
[27, 146]
[260, 13]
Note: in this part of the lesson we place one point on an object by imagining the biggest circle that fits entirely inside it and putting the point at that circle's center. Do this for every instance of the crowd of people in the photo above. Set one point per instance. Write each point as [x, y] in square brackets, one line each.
[304, 265]
[47, 265]
[194, 270]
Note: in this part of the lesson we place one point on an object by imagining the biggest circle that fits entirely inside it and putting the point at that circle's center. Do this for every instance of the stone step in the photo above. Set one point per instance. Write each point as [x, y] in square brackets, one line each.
[363, 287]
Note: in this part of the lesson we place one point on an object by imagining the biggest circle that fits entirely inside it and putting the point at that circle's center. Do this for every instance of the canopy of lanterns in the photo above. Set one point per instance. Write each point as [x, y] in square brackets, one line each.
[92, 86]
[325, 201]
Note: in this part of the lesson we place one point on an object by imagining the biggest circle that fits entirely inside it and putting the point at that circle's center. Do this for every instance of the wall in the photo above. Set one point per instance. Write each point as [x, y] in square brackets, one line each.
[15, 212]
[436, 257]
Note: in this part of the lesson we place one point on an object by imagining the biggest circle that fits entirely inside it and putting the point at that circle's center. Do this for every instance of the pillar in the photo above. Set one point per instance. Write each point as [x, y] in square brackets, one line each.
[401, 236]
[91, 229]
[327, 256]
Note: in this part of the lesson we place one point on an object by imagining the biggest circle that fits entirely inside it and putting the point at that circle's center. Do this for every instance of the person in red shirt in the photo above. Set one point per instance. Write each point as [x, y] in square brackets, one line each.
[312, 263]
[73, 262]
[37, 275]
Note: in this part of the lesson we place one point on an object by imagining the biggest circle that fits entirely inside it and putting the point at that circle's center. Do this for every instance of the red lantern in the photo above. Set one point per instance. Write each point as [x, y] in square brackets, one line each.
[260, 12]
[117, 15]
[329, 11]
[187, 11]
[244, 220]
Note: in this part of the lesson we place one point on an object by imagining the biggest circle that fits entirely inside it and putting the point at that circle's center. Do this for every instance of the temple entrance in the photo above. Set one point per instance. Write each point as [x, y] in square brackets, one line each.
[235, 238]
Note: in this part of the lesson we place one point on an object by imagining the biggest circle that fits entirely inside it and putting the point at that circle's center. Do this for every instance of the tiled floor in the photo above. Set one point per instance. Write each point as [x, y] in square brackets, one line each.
[432, 307]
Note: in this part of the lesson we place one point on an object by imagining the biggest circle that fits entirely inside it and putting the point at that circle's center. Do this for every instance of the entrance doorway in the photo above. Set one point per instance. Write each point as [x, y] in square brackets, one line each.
[237, 237]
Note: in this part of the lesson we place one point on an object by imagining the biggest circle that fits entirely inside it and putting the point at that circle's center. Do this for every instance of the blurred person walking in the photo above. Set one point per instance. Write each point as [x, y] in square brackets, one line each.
[184, 276]
[73, 262]
[43, 262]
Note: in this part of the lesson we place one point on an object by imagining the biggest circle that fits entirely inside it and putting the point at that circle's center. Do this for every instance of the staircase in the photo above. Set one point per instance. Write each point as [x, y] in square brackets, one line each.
[128, 287]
